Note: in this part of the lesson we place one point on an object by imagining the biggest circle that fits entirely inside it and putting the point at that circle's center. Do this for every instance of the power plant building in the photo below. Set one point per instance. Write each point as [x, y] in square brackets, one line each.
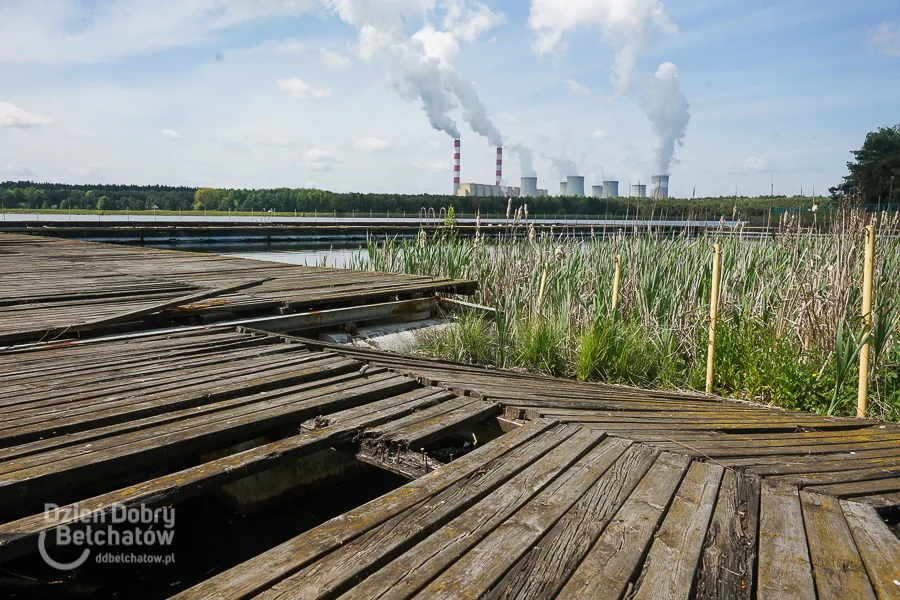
[543, 193]
[638, 191]
[562, 188]
[575, 185]
[597, 191]
[480, 190]
[529, 187]
[610, 189]
[659, 186]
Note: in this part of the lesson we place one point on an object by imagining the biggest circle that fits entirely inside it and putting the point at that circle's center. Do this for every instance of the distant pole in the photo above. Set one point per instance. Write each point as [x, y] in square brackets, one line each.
[863, 397]
[713, 317]
[618, 278]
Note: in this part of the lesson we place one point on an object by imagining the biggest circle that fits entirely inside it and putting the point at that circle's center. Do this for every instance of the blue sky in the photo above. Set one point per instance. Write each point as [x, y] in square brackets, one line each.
[266, 93]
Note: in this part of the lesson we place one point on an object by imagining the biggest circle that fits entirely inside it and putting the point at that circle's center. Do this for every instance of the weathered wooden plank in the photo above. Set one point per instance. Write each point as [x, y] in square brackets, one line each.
[670, 566]
[859, 488]
[729, 554]
[423, 557]
[878, 547]
[784, 567]
[543, 571]
[614, 561]
[265, 570]
[837, 567]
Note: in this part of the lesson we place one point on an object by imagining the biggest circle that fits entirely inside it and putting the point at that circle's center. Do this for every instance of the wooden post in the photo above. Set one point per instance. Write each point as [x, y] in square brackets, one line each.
[618, 278]
[713, 316]
[541, 292]
[863, 398]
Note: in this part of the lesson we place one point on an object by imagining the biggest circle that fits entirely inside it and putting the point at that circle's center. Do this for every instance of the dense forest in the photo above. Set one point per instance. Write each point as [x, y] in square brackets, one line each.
[29, 195]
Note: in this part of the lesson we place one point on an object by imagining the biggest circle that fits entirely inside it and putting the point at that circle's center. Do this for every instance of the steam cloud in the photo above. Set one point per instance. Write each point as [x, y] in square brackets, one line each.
[627, 27]
[423, 66]
[526, 159]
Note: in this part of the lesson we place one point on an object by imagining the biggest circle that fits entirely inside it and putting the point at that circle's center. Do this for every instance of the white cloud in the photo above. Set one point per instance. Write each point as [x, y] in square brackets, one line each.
[14, 170]
[577, 88]
[333, 60]
[318, 160]
[886, 37]
[371, 144]
[171, 134]
[13, 116]
[511, 119]
[755, 164]
[64, 32]
[600, 134]
[433, 167]
[470, 23]
[300, 89]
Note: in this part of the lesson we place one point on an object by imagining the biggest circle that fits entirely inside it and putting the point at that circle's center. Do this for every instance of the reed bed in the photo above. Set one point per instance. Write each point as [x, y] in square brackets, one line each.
[789, 330]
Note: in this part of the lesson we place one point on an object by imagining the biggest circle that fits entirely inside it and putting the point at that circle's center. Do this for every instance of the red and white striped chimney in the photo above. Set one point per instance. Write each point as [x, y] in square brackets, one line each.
[499, 165]
[455, 167]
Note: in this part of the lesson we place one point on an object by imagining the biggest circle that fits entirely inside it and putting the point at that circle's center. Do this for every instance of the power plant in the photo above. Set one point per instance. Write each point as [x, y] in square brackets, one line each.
[572, 186]
[456, 167]
[575, 185]
[660, 186]
[529, 187]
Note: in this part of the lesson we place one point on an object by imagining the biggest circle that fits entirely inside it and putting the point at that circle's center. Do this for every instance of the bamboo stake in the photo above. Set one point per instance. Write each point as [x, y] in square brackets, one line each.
[618, 278]
[541, 292]
[713, 316]
[863, 397]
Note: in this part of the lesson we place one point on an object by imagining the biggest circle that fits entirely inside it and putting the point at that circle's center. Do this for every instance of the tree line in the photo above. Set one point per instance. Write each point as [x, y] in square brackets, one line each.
[29, 195]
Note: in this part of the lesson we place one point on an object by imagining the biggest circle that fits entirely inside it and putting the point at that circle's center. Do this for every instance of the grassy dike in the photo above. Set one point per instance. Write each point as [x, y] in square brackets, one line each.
[789, 330]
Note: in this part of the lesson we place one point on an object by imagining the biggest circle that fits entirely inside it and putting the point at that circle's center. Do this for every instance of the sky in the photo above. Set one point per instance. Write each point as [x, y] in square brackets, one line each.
[366, 95]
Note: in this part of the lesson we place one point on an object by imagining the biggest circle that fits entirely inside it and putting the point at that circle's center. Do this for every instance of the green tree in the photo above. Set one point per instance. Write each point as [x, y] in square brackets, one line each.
[104, 203]
[877, 162]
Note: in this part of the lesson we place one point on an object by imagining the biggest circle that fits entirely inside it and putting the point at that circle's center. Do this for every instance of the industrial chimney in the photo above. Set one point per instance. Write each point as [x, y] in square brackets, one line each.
[455, 167]
[562, 188]
[597, 191]
[610, 189]
[499, 165]
[529, 187]
[575, 185]
[660, 186]
[638, 190]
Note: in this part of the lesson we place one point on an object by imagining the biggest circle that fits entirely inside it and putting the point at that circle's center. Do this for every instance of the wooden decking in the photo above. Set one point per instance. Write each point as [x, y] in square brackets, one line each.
[51, 288]
[596, 492]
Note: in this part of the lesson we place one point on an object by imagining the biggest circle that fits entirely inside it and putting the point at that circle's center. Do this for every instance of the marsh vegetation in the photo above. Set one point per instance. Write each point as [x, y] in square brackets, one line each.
[789, 331]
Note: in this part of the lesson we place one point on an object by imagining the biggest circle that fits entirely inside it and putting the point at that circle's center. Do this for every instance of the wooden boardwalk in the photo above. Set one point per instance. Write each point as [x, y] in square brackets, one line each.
[51, 288]
[595, 491]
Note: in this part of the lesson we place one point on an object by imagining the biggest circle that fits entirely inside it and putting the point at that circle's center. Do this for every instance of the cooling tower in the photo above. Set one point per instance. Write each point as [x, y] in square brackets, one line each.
[597, 191]
[575, 185]
[455, 167]
[562, 188]
[610, 189]
[529, 187]
[638, 190]
[659, 186]
[499, 165]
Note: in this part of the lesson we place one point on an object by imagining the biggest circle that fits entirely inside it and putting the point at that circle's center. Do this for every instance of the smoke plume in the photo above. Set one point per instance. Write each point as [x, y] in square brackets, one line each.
[627, 27]
[423, 66]
[667, 108]
[526, 159]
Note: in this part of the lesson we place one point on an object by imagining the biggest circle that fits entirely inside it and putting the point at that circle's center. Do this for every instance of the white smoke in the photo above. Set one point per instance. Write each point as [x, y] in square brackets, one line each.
[563, 167]
[627, 27]
[423, 66]
[667, 108]
[526, 159]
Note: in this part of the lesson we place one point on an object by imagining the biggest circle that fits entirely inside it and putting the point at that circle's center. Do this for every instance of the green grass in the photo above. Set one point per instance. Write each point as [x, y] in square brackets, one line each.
[789, 326]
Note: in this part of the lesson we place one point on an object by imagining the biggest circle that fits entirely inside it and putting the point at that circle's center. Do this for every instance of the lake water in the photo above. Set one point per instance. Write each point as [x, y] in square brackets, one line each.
[315, 255]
